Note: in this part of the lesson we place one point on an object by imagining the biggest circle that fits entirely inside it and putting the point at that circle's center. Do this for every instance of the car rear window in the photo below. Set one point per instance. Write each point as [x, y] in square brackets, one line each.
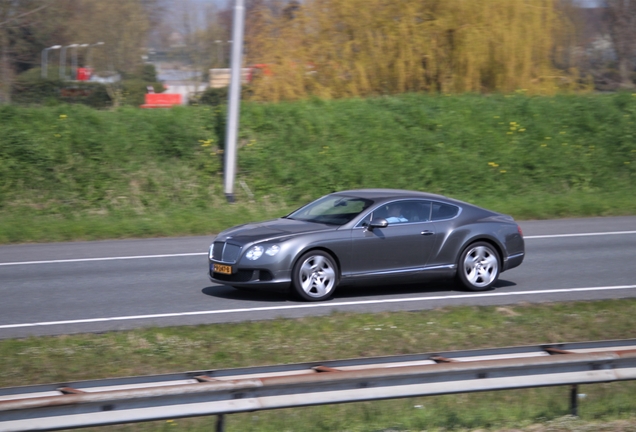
[444, 211]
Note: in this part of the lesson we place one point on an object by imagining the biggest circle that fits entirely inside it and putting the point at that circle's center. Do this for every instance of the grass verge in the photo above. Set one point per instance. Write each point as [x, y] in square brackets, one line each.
[71, 173]
[340, 335]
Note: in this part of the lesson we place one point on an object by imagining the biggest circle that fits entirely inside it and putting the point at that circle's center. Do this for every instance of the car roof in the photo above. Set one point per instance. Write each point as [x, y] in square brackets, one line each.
[382, 194]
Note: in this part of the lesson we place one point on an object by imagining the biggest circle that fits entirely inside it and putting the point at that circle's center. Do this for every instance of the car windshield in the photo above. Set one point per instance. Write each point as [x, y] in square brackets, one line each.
[332, 210]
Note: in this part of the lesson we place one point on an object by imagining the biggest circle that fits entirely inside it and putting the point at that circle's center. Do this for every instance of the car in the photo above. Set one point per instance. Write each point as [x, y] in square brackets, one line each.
[368, 236]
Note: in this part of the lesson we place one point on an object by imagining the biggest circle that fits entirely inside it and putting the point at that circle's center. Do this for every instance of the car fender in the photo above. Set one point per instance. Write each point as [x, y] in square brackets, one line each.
[292, 249]
[451, 243]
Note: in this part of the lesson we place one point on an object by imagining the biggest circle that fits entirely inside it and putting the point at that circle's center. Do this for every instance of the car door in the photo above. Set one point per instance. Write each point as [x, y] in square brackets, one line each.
[398, 247]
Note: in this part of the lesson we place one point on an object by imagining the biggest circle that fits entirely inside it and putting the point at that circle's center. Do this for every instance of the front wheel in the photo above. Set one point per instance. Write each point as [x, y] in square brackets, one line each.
[478, 266]
[315, 276]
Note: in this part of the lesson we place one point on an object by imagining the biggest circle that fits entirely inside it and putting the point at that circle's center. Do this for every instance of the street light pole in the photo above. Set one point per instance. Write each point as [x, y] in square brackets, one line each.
[234, 100]
[63, 60]
[45, 59]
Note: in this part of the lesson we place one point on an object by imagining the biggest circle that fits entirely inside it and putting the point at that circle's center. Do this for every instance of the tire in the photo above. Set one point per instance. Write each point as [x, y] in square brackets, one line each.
[315, 276]
[478, 267]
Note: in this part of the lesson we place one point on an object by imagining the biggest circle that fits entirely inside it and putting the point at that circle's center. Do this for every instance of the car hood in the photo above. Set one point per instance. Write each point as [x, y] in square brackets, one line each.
[270, 230]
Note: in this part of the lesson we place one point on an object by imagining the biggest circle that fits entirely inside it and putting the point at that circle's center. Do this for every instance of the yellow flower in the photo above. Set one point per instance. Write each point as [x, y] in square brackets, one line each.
[63, 116]
[502, 171]
[493, 164]
[522, 130]
[547, 138]
[544, 145]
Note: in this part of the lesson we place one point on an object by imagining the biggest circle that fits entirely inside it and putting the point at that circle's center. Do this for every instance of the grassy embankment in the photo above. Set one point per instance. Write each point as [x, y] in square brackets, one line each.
[177, 349]
[69, 172]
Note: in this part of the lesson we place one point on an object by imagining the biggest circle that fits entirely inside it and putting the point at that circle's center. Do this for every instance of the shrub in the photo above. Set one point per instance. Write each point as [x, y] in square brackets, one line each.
[30, 88]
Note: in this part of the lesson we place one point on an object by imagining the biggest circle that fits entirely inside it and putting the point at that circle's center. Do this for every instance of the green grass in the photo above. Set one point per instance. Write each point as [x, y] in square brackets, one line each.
[70, 172]
[340, 335]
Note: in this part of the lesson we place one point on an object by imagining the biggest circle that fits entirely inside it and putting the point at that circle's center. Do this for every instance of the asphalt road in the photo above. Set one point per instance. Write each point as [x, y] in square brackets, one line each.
[64, 288]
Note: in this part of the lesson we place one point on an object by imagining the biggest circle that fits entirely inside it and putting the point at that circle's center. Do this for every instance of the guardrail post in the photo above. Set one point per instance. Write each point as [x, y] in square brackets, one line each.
[220, 423]
[574, 400]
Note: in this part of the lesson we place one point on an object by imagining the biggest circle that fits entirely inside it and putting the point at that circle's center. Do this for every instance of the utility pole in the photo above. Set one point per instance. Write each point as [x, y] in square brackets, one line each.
[234, 100]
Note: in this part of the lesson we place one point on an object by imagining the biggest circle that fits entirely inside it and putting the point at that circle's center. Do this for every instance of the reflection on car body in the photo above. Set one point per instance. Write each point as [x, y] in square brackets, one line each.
[379, 235]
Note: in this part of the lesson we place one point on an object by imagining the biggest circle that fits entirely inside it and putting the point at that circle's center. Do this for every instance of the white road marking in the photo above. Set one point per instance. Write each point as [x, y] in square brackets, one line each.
[579, 235]
[319, 305]
[205, 253]
[103, 259]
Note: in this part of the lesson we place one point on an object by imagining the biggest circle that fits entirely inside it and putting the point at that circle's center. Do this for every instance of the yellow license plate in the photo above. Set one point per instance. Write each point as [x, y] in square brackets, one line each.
[225, 269]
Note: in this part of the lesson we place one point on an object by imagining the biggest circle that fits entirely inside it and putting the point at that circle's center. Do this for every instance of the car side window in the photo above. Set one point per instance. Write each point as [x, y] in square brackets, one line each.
[399, 212]
[443, 211]
[419, 211]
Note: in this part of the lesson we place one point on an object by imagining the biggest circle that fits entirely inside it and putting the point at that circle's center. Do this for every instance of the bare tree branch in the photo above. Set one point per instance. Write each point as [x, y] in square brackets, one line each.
[24, 14]
[621, 15]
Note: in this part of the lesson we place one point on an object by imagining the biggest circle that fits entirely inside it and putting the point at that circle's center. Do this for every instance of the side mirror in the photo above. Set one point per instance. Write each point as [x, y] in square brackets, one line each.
[378, 223]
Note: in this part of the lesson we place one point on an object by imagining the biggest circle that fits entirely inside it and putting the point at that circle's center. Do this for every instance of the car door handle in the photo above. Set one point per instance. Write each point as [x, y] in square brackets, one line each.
[427, 232]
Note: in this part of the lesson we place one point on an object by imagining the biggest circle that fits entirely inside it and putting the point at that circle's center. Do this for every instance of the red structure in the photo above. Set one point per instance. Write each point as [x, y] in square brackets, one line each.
[161, 100]
[84, 74]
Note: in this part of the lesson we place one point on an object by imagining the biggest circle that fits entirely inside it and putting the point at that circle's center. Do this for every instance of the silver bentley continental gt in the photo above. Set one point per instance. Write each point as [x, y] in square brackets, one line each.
[368, 235]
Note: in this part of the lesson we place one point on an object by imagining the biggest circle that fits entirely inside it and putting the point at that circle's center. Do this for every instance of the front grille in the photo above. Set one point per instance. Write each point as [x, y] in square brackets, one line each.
[217, 250]
[225, 252]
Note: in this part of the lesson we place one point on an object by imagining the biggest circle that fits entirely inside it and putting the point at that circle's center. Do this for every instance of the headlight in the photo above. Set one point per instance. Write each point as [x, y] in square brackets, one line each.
[254, 253]
[272, 250]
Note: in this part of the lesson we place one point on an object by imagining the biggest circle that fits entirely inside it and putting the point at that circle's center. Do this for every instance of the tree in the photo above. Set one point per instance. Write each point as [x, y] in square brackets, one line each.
[29, 26]
[621, 17]
[122, 25]
[341, 48]
[16, 17]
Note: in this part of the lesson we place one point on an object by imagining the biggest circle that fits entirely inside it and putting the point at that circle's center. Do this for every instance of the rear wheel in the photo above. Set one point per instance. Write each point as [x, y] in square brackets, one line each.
[315, 276]
[478, 266]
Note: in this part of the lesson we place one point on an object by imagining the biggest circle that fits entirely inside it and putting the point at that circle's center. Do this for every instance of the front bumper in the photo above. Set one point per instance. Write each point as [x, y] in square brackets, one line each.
[252, 278]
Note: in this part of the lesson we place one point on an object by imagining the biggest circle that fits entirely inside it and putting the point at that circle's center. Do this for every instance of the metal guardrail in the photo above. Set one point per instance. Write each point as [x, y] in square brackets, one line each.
[219, 392]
